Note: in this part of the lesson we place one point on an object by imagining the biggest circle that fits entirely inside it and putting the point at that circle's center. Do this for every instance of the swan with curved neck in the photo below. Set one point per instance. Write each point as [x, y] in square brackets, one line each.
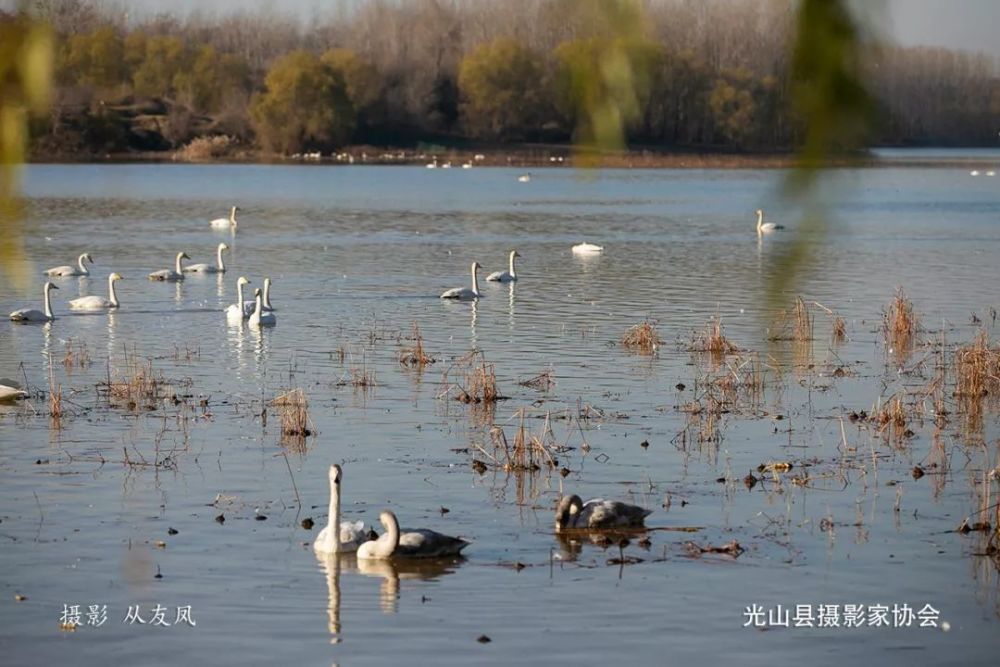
[464, 293]
[249, 305]
[79, 270]
[339, 537]
[171, 276]
[99, 302]
[220, 265]
[409, 543]
[508, 276]
[765, 227]
[259, 318]
[33, 314]
[598, 514]
[236, 311]
[226, 222]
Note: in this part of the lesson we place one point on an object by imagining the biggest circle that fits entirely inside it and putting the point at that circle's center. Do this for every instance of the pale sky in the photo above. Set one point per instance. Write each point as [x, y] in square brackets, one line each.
[961, 24]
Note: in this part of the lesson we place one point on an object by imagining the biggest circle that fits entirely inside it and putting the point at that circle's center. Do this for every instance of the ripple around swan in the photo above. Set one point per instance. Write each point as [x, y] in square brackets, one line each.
[359, 254]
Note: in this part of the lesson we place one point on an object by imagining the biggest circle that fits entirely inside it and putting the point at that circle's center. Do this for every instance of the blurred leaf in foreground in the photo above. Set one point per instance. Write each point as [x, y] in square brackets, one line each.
[836, 111]
[25, 83]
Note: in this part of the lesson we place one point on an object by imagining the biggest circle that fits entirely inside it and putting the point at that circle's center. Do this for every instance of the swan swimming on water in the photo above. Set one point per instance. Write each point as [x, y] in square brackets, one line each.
[765, 227]
[524, 178]
[168, 275]
[259, 318]
[587, 249]
[220, 266]
[507, 276]
[99, 302]
[339, 537]
[250, 304]
[406, 543]
[79, 270]
[465, 293]
[33, 315]
[10, 390]
[226, 223]
[237, 311]
[598, 514]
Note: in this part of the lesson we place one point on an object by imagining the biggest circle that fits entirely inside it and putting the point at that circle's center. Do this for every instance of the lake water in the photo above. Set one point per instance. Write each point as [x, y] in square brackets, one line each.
[358, 254]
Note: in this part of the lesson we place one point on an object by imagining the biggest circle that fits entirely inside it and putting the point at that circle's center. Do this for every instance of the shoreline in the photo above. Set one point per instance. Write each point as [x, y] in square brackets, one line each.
[542, 157]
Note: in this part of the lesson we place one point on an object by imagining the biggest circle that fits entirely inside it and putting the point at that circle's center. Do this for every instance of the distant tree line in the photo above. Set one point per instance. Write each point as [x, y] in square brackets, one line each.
[708, 74]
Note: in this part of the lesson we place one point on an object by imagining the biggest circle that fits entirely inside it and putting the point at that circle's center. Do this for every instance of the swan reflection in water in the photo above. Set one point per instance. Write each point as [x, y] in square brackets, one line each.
[390, 571]
[571, 541]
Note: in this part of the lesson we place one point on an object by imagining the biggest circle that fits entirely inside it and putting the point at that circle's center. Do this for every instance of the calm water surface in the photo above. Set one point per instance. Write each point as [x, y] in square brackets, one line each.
[358, 254]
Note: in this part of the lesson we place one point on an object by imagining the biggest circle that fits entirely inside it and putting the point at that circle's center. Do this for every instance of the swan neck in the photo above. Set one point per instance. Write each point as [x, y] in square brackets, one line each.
[48, 302]
[239, 295]
[475, 281]
[512, 273]
[258, 305]
[111, 292]
[218, 260]
[83, 267]
[177, 264]
[232, 215]
[760, 219]
[333, 534]
[267, 294]
[391, 526]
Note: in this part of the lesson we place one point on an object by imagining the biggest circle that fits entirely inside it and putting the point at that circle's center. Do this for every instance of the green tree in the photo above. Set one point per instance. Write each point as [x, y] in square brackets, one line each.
[502, 90]
[361, 80]
[164, 59]
[732, 106]
[305, 105]
[94, 58]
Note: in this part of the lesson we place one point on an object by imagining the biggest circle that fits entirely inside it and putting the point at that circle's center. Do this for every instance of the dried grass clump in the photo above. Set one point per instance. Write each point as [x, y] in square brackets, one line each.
[642, 338]
[529, 452]
[480, 381]
[76, 356]
[713, 340]
[977, 368]
[55, 404]
[795, 325]
[140, 386]
[293, 410]
[415, 356]
[839, 332]
[206, 148]
[540, 382]
[900, 324]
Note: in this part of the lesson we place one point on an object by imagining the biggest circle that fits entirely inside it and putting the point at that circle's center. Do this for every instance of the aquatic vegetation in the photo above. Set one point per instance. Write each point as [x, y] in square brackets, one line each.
[76, 356]
[900, 325]
[642, 338]
[293, 411]
[415, 355]
[796, 324]
[480, 383]
[713, 340]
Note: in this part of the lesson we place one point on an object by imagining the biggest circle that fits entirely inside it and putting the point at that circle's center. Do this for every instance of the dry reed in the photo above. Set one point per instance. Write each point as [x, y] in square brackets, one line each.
[415, 356]
[642, 338]
[293, 410]
[713, 340]
[900, 324]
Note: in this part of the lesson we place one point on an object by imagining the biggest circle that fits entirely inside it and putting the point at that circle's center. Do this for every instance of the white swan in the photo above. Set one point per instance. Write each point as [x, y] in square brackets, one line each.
[168, 275]
[587, 249]
[598, 514]
[464, 293]
[974, 172]
[79, 270]
[250, 304]
[766, 227]
[337, 537]
[991, 173]
[507, 276]
[259, 318]
[33, 315]
[524, 178]
[99, 302]
[226, 223]
[237, 311]
[220, 266]
[406, 543]
[10, 390]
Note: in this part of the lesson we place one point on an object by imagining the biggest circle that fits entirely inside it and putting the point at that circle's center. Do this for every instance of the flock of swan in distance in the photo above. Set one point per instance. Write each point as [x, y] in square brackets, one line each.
[352, 536]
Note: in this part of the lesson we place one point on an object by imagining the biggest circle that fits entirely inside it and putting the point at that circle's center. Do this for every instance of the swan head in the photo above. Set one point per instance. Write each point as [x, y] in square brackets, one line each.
[50, 286]
[267, 281]
[87, 256]
[476, 266]
[388, 520]
[223, 246]
[256, 293]
[116, 276]
[514, 253]
[568, 507]
[182, 255]
[335, 474]
[243, 281]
